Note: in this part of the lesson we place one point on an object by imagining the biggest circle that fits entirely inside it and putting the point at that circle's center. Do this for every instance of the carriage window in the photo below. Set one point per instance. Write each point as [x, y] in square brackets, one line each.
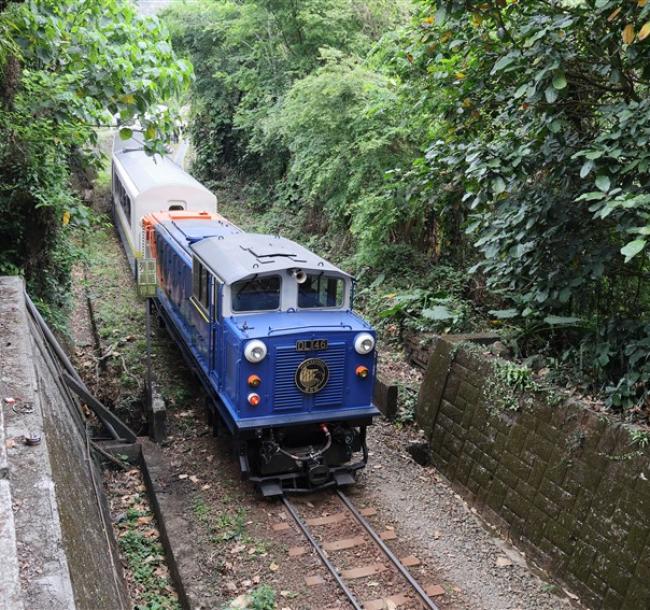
[256, 294]
[321, 291]
[123, 199]
[200, 284]
[126, 205]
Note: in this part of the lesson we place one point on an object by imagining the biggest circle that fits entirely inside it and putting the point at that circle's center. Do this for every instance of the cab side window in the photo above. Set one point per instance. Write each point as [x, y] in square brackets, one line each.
[200, 284]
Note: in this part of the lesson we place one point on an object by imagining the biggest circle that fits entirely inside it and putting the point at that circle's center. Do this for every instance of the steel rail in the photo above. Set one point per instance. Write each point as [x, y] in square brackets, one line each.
[328, 564]
[426, 600]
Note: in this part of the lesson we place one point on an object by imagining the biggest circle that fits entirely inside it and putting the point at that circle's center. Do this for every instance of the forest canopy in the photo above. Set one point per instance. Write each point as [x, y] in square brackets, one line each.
[489, 157]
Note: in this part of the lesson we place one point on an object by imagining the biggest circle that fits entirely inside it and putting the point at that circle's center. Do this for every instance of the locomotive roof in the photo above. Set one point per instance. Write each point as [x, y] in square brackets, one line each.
[150, 172]
[237, 257]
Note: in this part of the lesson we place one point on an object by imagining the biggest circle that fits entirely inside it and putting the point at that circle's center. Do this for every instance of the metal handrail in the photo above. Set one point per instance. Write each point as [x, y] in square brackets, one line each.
[292, 328]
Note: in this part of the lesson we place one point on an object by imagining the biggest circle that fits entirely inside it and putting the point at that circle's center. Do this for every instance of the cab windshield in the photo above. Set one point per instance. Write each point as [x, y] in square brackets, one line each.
[319, 290]
[256, 294]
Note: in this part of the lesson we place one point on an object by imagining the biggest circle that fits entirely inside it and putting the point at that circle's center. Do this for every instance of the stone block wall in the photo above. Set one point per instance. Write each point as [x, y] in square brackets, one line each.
[566, 484]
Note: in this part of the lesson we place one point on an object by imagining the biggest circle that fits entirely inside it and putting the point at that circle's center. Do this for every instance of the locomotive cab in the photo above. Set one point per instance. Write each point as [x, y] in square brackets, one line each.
[293, 365]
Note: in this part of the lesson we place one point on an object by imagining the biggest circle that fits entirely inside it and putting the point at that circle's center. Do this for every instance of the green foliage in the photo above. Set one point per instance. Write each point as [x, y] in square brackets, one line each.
[260, 598]
[300, 107]
[144, 556]
[507, 139]
[230, 526]
[640, 438]
[343, 128]
[263, 598]
[515, 376]
[509, 386]
[83, 63]
[425, 309]
[407, 399]
[546, 119]
[247, 55]
[67, 67]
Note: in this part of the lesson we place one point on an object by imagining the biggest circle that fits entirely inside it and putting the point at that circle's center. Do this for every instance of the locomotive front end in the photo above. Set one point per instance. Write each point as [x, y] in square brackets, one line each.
[294, 365]
[308, 380]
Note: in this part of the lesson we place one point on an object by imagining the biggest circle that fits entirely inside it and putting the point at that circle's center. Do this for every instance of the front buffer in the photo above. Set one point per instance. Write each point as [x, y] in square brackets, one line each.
[306, 457]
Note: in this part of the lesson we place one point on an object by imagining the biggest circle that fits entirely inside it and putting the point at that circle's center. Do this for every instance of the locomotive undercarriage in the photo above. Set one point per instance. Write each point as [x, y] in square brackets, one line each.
[303, 459]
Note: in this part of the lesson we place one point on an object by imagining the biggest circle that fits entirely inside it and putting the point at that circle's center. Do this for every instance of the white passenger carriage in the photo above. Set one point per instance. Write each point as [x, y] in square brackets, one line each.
[142, 185]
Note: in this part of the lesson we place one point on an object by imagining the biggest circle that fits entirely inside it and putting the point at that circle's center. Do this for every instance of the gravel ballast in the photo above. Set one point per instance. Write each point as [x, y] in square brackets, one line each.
[490, 573]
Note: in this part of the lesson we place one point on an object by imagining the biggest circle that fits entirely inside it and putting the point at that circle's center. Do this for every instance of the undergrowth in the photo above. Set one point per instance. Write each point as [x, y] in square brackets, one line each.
[144, 556]
[119, 317]
[260, 598]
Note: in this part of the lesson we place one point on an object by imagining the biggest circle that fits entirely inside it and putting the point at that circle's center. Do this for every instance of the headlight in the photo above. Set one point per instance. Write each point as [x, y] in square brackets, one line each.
[364, 343]
[255, 351]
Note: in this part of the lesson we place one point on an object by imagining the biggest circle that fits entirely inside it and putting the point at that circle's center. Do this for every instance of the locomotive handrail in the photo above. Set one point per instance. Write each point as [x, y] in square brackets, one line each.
[292, 328]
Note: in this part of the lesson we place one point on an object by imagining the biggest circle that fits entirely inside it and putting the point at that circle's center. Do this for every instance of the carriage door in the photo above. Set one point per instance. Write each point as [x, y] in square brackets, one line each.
[216, 347]
[200, 314]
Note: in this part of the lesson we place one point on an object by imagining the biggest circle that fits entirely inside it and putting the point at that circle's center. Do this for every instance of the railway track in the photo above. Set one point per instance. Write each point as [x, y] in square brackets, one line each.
[399, 589]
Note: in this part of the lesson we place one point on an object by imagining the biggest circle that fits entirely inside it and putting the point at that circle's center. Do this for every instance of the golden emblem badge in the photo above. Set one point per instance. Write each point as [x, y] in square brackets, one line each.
[312, 376]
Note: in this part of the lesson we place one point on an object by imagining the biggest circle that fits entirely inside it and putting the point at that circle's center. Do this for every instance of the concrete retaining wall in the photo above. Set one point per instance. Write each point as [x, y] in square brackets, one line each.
[567, 485]
[59, 554]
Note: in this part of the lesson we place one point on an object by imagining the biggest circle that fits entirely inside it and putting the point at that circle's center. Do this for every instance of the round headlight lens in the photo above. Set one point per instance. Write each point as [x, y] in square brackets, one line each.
[364, 343]
[255, 351]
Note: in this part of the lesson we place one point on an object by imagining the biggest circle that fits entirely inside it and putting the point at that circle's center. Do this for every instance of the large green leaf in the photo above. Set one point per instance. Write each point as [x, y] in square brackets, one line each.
[587, 166]
[551, 94]
[603, 182]
[498, 185]
[438, 312]
[559, 80]
[561, 320]
[631, 249]
[504, 314]
[503, 62]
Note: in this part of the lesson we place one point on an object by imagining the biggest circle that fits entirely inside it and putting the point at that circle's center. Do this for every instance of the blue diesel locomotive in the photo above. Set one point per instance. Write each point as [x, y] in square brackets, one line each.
[268, 327]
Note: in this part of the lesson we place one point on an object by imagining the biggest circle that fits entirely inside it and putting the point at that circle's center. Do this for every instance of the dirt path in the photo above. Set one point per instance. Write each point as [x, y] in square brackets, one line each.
[238, 540]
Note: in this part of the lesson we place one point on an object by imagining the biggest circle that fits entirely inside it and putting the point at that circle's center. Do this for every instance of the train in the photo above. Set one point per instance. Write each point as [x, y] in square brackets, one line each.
[267, 326]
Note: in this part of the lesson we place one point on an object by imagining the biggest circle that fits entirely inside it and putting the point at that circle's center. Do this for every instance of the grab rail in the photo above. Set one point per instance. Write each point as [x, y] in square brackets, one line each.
[292, 328]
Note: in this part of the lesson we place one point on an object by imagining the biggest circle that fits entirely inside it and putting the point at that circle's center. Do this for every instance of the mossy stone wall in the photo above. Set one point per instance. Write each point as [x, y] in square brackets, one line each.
[565, 483]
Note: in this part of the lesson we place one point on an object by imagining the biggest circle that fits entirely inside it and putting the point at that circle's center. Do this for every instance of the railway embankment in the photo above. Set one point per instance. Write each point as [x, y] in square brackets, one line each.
[55, 539]
[568, 485]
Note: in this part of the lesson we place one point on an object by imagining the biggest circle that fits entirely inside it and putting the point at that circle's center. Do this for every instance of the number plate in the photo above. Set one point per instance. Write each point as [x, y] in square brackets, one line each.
[311, 345]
